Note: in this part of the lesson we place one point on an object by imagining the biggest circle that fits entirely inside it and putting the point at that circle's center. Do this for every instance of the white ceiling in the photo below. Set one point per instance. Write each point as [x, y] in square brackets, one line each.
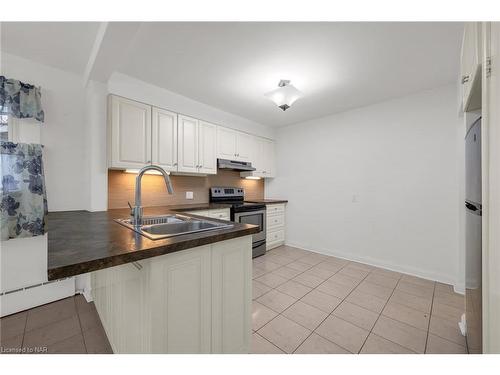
[230, 66]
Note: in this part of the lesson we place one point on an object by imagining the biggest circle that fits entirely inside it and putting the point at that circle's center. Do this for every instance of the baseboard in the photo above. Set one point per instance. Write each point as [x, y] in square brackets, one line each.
[390, 266]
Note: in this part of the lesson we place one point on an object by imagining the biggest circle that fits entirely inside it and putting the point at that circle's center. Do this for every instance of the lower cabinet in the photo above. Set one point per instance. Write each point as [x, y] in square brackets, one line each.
[222, 214]
[192, 301]
[275, 225]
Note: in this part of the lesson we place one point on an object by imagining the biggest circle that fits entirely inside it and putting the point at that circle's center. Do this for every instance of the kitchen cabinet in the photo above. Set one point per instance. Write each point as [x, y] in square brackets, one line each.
[192, 301]
[221, 214]
[196, 146]
[130, 133]
[235, 145]
[164, 139]
[470, 66]
[263, 159]
[275, 225]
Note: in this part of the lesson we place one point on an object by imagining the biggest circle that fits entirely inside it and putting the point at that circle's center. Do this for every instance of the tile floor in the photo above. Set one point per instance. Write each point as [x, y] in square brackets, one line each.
[67, 326]
[305, 302]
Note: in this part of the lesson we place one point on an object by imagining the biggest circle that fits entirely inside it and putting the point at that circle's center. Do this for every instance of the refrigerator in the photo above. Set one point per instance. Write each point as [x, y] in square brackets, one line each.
[473, 248]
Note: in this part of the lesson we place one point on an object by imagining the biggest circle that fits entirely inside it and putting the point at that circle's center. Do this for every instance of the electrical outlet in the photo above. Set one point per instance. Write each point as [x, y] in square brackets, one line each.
[189, 195]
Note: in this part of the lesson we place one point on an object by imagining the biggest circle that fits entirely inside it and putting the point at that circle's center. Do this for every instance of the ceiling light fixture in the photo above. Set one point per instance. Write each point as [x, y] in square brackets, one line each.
[285, 95]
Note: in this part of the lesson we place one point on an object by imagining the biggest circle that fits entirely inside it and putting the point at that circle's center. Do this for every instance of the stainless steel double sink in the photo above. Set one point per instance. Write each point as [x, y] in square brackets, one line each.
[164, 226]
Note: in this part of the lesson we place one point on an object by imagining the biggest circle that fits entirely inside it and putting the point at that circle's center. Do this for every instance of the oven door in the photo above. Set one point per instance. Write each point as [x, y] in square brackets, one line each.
[255, 218]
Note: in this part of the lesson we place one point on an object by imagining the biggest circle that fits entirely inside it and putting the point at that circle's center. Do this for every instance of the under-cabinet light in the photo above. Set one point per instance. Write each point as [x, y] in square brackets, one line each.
[135, 171]
[252, 177]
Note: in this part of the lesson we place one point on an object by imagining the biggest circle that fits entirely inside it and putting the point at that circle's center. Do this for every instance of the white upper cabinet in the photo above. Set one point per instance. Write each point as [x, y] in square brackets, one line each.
[164, 139]
[235, 145]
[226, 143]
[207, 147]
[263, 159]
[470, 66]
[130, 133]
[188, 145]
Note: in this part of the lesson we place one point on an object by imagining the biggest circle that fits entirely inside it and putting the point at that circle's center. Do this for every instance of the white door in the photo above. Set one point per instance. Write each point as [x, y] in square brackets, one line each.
[181, 286]
[207, 151]
[267, 158]
[226, 143]
[130, 133]
[188, 145]
[231, 296]
[245, 145]
[164, 139]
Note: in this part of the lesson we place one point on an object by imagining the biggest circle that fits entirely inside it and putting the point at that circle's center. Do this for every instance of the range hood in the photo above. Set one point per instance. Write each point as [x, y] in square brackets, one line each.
[235, 165]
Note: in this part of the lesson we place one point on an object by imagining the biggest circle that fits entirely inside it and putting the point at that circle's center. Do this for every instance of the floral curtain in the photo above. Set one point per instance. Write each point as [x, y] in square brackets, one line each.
[23, 207]
[20, 99]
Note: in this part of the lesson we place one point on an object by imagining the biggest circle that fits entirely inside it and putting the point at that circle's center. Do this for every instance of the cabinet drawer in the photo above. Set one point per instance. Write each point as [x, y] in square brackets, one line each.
[277, 220]
[275, 236]
[199, 213]
[275, 209]
[220, 214]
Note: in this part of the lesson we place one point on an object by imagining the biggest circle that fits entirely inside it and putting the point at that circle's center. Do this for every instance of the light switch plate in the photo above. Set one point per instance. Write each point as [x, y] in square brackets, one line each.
[189, 195]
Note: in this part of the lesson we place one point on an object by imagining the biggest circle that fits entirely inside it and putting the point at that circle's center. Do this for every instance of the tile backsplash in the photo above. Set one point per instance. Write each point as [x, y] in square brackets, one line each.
[121, 188]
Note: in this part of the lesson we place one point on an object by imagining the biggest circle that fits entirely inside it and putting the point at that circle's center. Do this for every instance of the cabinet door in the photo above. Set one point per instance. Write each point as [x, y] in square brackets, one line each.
[245, 145]
[231, 295]
[469, 65]
[267, 158]
[180, 286]
[188, 145]
[226, 143]
[164, 139]
[207, 140]
[130, 133]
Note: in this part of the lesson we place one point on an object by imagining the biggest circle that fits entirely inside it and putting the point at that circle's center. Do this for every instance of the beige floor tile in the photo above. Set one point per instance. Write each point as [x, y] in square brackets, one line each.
[280, 259]
[261, 346]
[52, 333]
[387, 273]
[415, 318]
[343, 333]
[50, 313]
[378, 345]
[345, 280]
[261, 315]
[356, 315]
[315, 344]
[367, 301]
[443, 288]
[89, 318]
[361, 266]
[12, 325]
[401, 333]
[417, 290]
[447, 312]
[418, 281]
[312, 260]
[11, 345]
[375, 290]
[388, 282]
[82, 305]
[299, 266]
[308, 280]
[72, 345]
[455, 300]
[259, 289]
[304, 314]
[334, 289]
[322, 273]
[271, 279]
[446, 329]
[412, 301]
[96, 341]
[257, 272]
[354, 272]
[269, 266]
[329, 266]
[286, 272]
[276, 300]
[438, 345]
[322, 301]
[294, 289]
[284, 333]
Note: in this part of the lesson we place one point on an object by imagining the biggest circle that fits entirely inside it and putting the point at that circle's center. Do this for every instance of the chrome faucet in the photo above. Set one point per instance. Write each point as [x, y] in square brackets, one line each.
[136, 211]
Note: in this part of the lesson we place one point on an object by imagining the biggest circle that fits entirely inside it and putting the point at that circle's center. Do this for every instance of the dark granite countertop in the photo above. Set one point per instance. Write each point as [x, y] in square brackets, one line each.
[82, 241]
[267, 201]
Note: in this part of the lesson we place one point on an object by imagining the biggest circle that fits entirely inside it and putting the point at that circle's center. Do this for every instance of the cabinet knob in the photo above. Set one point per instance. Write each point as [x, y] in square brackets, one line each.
[465, 79]
[175, 164]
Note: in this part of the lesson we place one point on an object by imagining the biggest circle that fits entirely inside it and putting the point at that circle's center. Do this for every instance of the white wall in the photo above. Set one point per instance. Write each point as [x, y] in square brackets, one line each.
[132, 88]
[378, 184]
[63, 133]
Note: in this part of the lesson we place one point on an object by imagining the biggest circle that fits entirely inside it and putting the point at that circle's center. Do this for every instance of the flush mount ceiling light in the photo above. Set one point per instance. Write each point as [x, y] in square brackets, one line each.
[285, 95]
